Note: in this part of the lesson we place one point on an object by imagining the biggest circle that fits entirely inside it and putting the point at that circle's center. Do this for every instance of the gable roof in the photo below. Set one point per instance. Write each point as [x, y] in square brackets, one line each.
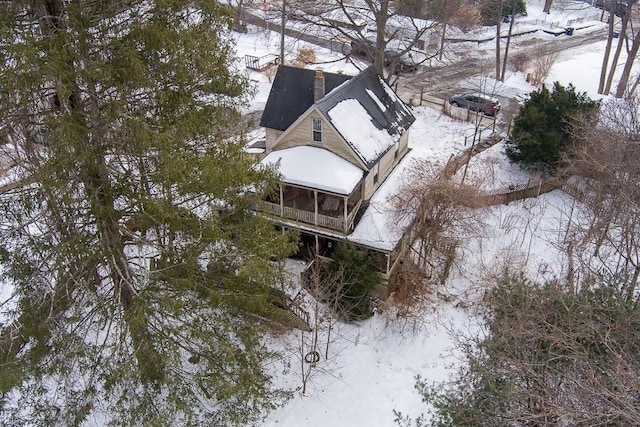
[368, 115]
[292, 94]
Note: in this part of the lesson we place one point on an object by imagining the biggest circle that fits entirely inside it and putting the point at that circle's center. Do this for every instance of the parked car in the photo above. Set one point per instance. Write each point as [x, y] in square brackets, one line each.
[403, 63]
[362, 47]
[620, 7]
[475, 102]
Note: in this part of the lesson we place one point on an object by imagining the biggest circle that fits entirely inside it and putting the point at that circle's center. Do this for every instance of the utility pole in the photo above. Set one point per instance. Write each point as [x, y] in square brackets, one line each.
[282, 21]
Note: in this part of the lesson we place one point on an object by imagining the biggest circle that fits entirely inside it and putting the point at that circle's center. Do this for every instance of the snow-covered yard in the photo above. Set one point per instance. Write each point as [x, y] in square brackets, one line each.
[369, 368]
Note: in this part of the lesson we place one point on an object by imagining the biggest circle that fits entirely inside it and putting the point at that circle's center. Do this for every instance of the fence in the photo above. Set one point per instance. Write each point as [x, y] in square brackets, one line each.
[594, 16]
[458, 113]
[520, 191]
[262, 62]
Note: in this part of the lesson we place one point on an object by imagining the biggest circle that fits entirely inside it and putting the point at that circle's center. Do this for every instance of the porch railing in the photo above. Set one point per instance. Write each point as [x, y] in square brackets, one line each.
[305, 216]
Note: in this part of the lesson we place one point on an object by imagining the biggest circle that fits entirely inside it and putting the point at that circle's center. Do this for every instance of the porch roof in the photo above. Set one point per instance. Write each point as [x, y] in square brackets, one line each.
[315, 168]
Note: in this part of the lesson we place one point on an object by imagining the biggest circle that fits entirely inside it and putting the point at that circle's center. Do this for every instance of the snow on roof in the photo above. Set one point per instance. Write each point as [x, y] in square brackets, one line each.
[375, 99]
[353, 122]
[315, 168]
[379, 228]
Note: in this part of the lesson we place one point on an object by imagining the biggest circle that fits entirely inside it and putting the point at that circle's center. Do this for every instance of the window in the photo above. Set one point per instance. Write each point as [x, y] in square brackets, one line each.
[375, 174]
[317, 130]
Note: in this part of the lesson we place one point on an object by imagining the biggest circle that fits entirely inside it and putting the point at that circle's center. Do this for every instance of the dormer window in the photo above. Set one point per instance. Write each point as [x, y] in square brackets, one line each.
[317, 130]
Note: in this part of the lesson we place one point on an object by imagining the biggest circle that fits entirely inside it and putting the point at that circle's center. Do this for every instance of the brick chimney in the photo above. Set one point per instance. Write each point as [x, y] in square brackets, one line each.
[318, 86]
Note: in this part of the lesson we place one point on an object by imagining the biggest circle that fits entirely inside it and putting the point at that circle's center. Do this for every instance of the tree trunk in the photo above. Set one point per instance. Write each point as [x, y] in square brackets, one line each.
[616, 56]
[506, 48]
[444, 32]
[283, 17]
[381, 24]
[498, 62]
[607, 51]
[626, 71]
[95, 177]
[635, 85]
[547, 6]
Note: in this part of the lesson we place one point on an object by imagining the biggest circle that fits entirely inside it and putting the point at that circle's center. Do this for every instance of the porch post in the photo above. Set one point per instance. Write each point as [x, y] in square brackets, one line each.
[281, 201]
[315, 205]
[346, 222]
[388, 262]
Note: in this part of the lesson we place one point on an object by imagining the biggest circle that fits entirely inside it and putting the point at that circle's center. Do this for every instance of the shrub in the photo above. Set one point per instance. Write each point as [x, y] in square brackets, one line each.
[355, 277]
[520, 61]
[548, 357]
[542, 66]
[466, 18]
[306, 56]
[543, 129]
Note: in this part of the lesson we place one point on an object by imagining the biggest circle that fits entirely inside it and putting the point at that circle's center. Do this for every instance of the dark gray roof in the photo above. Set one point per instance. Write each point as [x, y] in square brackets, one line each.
[396, 117]
[292, 94]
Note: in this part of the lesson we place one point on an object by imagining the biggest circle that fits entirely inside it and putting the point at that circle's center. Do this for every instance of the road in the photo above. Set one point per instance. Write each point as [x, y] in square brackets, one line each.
[443, 81]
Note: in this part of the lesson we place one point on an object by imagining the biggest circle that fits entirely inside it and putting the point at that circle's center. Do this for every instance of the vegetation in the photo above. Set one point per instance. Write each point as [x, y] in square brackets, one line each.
[493, 11]
[550, 356]
[351, 21]
[543, 130]
[139, 271]
[355, 277]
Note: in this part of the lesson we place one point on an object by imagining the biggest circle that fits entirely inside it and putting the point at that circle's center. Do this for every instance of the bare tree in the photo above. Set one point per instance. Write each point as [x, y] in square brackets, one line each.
[622, 38]
[439, 213]
[607, 51]
[239, 9]
[508, 43]
[351, 22]
[608, 160]
[445, 12]
[632, 53]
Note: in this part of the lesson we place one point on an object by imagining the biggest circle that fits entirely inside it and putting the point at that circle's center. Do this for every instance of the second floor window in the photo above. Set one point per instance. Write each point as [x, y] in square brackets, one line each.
[317, 130]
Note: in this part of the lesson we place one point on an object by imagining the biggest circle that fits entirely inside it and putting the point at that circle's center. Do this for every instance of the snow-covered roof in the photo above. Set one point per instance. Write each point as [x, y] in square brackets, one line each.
[315, 168]
[292, 94]
[368, 115]
[378, 227]
[352, 121]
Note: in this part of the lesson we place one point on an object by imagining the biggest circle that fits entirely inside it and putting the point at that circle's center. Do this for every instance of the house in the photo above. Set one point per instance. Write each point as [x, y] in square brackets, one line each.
[334, 138]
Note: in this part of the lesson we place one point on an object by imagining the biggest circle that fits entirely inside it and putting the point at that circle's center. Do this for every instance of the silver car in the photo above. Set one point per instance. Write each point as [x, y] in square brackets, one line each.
[476, 102]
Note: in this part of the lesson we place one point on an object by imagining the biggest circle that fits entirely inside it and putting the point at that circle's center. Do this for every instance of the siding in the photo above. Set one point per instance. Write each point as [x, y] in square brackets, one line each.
[386, 163]
[369, 187]
[404, 145]
[302, 134]
[385, 166]
[270, 136]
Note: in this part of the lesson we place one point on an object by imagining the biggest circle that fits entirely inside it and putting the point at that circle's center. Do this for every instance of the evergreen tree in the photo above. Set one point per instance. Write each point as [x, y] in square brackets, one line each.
[356, 276]
[137, 268]
[492, 11]
[542, 131]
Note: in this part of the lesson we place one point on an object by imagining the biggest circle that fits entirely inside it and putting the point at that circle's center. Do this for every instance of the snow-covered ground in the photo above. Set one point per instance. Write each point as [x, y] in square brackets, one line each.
[367, 370]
